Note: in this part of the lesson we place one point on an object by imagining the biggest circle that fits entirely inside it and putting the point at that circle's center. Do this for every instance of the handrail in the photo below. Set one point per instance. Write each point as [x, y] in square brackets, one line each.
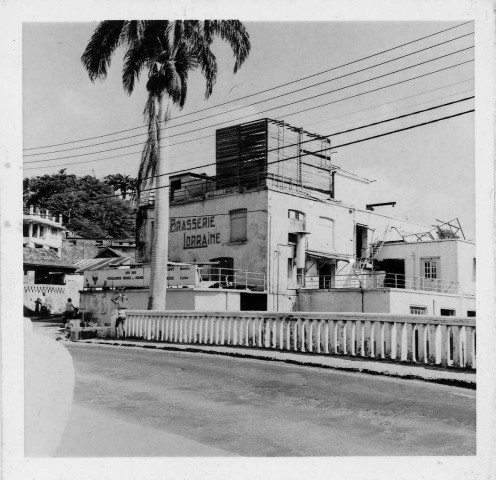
[382, 280]
[423, 340]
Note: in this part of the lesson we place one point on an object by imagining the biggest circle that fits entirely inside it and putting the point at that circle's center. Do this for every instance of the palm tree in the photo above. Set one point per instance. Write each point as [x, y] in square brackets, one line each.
[169, 51]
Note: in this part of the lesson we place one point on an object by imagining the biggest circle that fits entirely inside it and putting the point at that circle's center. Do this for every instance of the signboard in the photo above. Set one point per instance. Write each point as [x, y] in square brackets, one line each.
[198, 232]
[182, 275]
[177, 275]
[113, 278]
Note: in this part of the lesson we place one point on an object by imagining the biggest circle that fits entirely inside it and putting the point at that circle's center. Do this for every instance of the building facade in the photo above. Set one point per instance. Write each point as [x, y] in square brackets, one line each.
[278, 211]
[46, 274]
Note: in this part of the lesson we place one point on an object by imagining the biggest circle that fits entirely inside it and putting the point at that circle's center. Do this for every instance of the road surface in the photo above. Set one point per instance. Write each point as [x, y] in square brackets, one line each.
[137, 402]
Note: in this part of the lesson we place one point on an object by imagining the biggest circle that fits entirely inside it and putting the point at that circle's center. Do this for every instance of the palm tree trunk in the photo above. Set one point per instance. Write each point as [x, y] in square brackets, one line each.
[160, 244]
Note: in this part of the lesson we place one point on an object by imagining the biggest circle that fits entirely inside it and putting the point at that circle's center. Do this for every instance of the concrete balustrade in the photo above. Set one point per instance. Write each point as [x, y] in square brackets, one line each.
[445, 341]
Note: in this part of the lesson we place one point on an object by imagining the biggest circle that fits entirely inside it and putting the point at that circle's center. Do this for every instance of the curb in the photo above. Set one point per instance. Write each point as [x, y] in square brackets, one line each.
[450, 377]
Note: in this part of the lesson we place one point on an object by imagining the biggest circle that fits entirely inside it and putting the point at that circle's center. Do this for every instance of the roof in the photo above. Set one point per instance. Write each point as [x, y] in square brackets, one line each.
[102, 263]
[42, 257]
[109, 252]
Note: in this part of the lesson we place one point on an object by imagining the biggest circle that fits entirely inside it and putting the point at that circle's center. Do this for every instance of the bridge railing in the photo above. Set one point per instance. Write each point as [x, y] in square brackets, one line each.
[445, 341]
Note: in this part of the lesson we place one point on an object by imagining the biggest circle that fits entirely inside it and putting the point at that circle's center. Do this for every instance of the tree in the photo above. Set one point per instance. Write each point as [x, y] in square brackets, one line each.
[87, 204]
[169, 50]
[123, 183]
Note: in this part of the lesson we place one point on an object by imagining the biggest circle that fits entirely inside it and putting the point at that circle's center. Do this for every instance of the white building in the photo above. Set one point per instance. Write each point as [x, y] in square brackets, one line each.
[42, 230]
[280, 222]
[45, 273]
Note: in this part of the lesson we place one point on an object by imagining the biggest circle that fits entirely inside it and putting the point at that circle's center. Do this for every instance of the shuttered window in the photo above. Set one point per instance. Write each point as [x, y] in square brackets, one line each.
[326, 226]
[238, 225]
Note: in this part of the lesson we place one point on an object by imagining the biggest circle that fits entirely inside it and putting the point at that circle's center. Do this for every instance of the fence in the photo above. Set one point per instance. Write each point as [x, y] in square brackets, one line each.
[232, 278]
[382, 280]
[448, 341]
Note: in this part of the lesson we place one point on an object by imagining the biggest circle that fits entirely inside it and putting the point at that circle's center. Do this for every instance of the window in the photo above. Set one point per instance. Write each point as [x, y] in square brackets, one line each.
[35, 230]
[361, 240]
[174, 186]
[25, 230]
[292, 238]
[470, 313]
[415, 310]
[296, 215]
[448, 312]
[430, 268]
[42, 232]
[326, 226]
[290, 270]
[238, 225]
[53, 231]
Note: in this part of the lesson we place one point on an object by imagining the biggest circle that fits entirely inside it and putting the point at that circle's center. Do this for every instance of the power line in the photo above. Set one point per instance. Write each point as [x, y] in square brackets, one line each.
[282, 106]
[341, 145]
[266, 90]
[139, 152]
[258, 102]
[307, 141]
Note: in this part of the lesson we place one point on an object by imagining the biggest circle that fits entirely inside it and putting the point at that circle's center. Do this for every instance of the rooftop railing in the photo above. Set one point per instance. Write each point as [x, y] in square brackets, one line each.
[382, 280]
[216, 277]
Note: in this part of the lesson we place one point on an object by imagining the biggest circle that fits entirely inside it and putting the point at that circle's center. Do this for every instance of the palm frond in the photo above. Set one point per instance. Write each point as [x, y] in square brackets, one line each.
[98, 53]
[234, 33]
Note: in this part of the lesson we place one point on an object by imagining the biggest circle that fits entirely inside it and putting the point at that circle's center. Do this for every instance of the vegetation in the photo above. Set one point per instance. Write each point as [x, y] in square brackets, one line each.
[169, 51]
[87, 205]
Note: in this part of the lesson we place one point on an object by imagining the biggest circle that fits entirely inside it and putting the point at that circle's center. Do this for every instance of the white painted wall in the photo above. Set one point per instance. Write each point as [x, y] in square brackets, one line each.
[249, 255]
[455, 256]
[104, 310]
[381, 301]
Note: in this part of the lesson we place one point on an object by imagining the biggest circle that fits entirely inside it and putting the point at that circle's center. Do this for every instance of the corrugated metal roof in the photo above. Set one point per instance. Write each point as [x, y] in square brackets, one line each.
[102, 263]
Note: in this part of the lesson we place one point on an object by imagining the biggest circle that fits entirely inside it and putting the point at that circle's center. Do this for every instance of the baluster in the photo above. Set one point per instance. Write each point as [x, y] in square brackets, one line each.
[442, 345]
[281, 333]
[367, 343]
[376, 337]
[359, 343]
[431, 343]
[294, 330]
[317, 334]
[333, 337]
[267, 325]
[421, 343]
[287, 333]
[191, 329]
[223, 331]
[397, 341]
[409, 342]
[260, 322]
[326, 335]
[341, 337]
[301, 324]
[457, 346]
[247, 323]
[349, 347]
[470, 347]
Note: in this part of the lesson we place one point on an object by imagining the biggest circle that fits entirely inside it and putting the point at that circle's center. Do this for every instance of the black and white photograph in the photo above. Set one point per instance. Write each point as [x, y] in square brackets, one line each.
[256, 242]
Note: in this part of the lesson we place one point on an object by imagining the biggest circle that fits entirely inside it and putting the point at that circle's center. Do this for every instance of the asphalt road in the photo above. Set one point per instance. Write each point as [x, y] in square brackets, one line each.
[136, 402]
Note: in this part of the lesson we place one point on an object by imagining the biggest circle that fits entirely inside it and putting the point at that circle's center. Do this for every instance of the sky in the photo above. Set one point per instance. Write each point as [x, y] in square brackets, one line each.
[428, 171]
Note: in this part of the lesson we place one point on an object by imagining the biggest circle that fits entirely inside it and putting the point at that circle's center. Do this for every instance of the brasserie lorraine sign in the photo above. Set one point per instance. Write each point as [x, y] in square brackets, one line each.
[198, 232]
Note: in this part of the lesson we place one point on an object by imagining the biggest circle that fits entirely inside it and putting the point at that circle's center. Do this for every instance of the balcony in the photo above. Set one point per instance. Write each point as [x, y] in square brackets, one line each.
[382, 280]
[230, 278]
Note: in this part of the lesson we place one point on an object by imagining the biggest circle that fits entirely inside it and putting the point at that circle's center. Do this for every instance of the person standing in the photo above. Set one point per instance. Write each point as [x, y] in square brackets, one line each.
[43, 305]
[69, 310]
[121, 302]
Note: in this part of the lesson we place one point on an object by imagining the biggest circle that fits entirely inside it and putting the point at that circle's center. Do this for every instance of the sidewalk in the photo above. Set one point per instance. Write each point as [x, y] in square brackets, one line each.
[447, 376]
